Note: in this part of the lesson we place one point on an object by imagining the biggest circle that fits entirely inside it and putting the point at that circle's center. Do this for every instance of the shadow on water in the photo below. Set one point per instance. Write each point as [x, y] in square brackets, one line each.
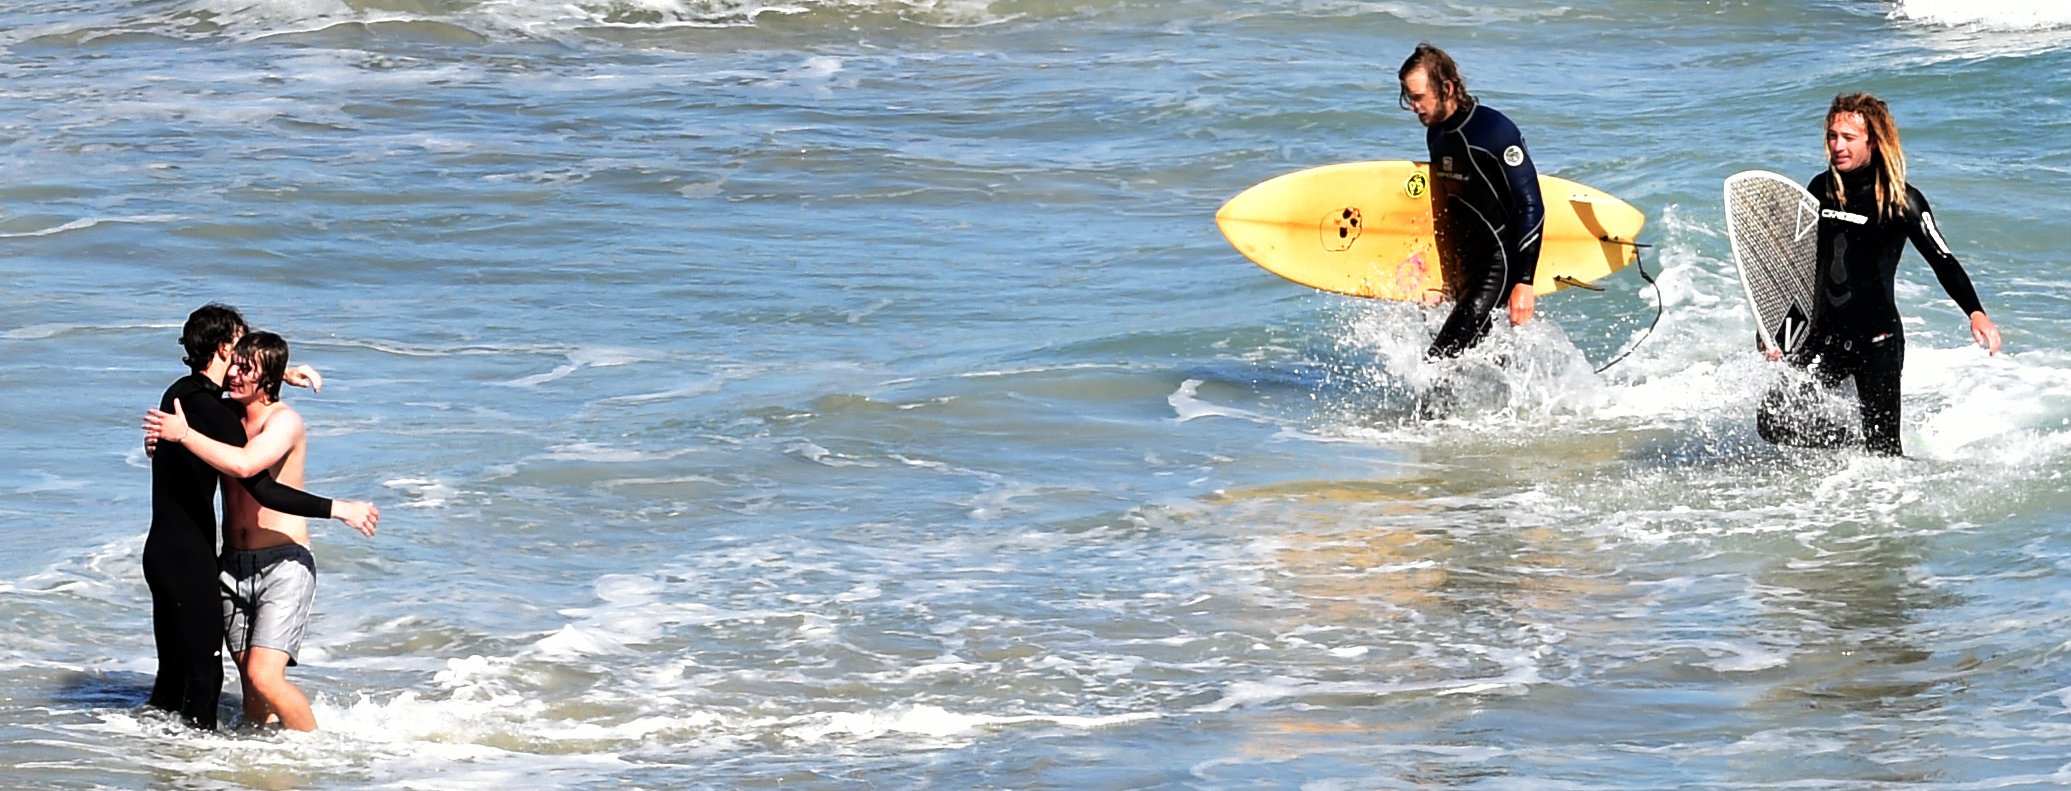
[124, 690]
[1363, 392]
[98, 689]
[1720, 447]
[85, 692]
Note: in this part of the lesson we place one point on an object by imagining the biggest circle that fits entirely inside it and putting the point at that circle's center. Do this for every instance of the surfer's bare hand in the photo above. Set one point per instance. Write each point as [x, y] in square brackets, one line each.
[166, 426]
[1521, 297]
[360, 514]
[1986, 333]
[304, 376]
[1772, 353]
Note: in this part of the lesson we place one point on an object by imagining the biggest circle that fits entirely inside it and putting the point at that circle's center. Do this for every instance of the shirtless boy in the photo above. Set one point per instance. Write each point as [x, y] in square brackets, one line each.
[267, 571]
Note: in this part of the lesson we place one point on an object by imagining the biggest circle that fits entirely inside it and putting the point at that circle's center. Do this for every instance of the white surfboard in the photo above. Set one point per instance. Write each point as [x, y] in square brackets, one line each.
[1774, 226]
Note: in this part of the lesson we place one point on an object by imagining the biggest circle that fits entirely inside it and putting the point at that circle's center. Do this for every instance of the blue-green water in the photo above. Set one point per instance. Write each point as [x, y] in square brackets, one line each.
[858, 394]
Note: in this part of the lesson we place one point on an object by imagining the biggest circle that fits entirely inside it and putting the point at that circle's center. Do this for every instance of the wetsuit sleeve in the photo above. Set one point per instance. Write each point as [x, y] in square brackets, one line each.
[206, 415]
[1927, 238]
[217, 423]
[286, 499]
[1528, 211]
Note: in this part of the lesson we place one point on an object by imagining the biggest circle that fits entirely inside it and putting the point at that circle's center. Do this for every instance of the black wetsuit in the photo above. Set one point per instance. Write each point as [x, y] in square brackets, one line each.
[1855, 328]
[180, 552]
[1491, 214]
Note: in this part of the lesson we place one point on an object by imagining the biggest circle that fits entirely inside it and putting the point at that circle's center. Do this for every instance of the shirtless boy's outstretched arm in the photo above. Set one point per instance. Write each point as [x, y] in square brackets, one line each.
[253, 461]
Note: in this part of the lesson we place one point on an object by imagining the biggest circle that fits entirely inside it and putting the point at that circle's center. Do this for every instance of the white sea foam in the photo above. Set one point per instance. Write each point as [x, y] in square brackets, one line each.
[535, 380]
[1741, 656]
[1985, 405]
[484, 701]
[37, 332]
[697, 387]
[1187, 404]
[1700, 370]
[605, 454]
[814, 452]
[573, 641]
[84, 223]
[585, 357]
[1962, 30]
[550, 19]
[2003, 14]
[1255, 693]
[929, 721]
[421, 492]
[108, 573]
[1000, 499]
[637, 609]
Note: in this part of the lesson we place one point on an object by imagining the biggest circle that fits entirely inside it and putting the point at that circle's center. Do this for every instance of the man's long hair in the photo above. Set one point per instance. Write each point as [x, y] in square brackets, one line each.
[1440, 69]
[208, 328]
[267, 354]
[1885, 154]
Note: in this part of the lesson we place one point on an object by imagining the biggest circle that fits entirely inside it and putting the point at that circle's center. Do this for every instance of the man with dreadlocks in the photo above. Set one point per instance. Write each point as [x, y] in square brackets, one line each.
[1867, 213]
[1488, 194]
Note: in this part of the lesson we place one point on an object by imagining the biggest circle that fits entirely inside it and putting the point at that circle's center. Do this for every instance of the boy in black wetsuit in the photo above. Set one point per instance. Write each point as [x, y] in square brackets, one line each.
[1487, 192]
[180, 551]
[1867, 213]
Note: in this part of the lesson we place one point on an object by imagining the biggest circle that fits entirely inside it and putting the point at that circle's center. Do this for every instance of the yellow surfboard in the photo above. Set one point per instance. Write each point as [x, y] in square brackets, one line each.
[1365, 229]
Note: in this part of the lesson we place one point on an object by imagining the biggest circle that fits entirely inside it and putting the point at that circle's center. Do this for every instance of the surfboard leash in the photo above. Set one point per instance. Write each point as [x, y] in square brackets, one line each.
[1640, 260]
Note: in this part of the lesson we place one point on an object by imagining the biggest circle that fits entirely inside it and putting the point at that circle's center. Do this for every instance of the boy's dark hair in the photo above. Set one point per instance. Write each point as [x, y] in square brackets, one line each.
[208, 328]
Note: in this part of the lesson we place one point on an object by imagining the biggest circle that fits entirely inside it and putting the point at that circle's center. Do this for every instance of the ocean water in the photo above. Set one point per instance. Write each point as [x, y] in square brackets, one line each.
[857, 393]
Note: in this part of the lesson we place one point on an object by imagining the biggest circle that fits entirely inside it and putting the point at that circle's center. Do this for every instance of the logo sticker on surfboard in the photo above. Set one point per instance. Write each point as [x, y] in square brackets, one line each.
[1339, 229]
[1416, 186]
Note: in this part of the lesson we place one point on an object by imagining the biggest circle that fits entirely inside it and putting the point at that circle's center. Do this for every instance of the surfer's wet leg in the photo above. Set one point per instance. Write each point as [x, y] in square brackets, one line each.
[1483, 285]
[187, 625]
[1877, 386]
[169, 689]
[1880, 412]
[256, 711]
[1773, 418]
[1467, 325]
[198, 623]
[1794, 412]
[266, 674]
[1791, 414]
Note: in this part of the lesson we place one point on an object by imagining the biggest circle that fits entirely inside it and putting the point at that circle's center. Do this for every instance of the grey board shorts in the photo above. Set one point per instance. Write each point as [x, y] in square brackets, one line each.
[266, 597]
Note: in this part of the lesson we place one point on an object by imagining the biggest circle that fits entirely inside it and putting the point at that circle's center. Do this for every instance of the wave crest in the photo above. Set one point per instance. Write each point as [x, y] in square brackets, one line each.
[519, 20]
[1994, 14]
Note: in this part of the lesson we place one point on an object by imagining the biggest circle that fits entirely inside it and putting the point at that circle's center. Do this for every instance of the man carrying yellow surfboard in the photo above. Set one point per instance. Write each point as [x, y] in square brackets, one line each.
[1488, 194]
